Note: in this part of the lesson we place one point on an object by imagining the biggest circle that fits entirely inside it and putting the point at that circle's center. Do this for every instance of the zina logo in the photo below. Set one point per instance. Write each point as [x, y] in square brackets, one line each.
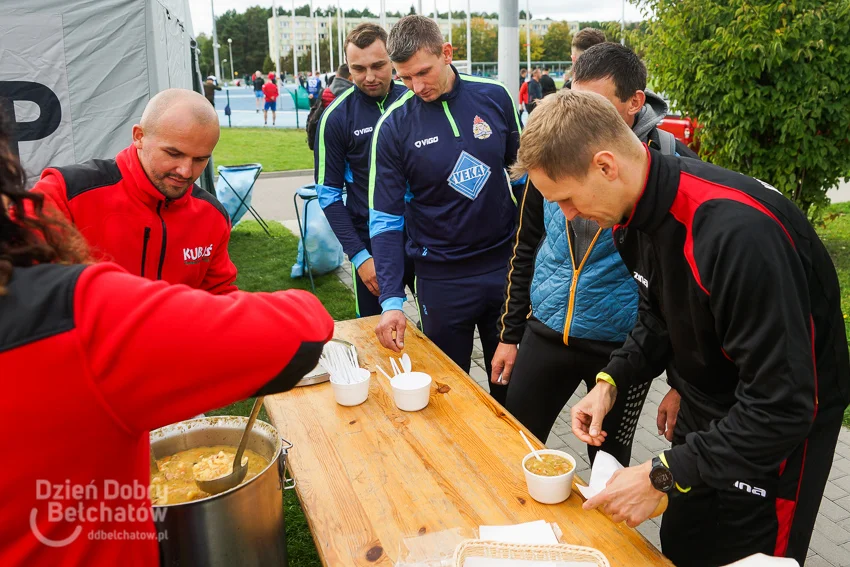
[363, 131]
[642, 280]
[751, 489]
[195, 255]
[426, 141]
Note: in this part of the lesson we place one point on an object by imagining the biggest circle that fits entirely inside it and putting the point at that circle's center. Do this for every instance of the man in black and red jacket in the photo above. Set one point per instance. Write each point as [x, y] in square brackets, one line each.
[738, 291]
[142, 210]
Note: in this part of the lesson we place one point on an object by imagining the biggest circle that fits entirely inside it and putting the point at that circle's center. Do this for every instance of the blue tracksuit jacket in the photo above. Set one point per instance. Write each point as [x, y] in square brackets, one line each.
[441, 167]
[342, 161]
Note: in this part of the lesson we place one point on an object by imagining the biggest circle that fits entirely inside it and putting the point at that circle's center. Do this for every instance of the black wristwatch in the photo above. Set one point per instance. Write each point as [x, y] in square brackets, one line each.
[660, 476]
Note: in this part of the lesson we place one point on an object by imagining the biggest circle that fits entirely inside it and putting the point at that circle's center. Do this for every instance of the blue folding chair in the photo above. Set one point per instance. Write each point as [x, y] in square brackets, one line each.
[307, 194]
[234, 188]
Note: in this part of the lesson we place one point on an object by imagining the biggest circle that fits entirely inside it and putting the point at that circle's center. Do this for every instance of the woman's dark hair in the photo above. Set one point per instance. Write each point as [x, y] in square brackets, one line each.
[28, 236]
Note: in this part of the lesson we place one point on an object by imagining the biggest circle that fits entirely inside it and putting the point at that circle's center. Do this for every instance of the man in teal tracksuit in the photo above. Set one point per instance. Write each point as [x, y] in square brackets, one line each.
[438, 167]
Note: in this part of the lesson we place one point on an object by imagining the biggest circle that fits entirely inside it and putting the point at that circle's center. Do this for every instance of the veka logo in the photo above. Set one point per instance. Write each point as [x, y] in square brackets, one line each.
[363, 131]
[50, 110]
[642, 280]
[754, 490]
[426, 141]
[195, 255]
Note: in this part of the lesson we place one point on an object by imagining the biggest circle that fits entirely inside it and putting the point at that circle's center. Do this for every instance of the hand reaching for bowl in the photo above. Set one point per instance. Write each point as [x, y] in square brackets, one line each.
[587, 415]
[390, 330]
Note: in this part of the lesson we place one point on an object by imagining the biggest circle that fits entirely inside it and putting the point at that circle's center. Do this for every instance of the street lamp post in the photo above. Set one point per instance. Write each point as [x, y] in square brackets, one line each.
[528, 37]
[230, 50]
[217, 62]
[215, 42]
[469, 34]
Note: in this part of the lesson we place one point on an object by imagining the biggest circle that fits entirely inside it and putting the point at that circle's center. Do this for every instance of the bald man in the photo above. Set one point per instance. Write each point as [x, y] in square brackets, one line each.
[142, 209]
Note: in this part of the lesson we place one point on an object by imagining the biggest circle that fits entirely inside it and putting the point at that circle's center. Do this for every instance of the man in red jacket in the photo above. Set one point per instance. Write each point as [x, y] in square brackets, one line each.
[111, 356]
[142, 209]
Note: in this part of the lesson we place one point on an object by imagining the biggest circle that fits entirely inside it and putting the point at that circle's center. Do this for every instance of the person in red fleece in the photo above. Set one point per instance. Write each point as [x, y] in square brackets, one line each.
[271, 93]
[110, 356]
[142, 210]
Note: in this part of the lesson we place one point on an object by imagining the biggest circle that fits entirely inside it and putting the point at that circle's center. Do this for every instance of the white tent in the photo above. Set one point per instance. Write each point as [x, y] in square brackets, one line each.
[76, 74]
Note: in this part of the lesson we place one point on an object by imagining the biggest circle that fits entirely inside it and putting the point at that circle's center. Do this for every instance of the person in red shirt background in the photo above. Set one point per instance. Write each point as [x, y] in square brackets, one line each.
[110, 356]
[142, 209]
[271, 93]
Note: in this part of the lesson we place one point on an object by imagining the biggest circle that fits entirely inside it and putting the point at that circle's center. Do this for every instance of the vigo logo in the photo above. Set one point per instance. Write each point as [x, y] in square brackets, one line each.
[426, 141]
[750, 489]
[197, 254]
[363, 131]
[642, 280]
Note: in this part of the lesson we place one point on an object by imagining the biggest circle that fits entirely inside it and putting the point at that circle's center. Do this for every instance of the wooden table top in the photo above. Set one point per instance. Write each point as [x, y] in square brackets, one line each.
[372, 475]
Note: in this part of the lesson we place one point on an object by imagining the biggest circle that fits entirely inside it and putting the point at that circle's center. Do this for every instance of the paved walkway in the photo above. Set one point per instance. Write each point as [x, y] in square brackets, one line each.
[830, 545]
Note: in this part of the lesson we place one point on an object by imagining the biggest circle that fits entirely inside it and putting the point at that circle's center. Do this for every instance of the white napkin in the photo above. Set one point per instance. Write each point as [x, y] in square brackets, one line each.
[530, 532]
[762, 560]
[604, 466]
[492, 562]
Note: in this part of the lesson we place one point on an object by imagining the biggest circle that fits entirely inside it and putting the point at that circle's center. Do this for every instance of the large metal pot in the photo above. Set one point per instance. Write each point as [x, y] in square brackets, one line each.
[243, 526]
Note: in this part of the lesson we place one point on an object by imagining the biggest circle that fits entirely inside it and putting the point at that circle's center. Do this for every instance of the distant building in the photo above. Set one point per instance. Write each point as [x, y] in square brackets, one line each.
[305, 30]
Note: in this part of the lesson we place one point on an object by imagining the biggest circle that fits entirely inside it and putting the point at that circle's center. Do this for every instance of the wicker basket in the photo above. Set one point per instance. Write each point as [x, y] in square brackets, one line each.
[548, 552]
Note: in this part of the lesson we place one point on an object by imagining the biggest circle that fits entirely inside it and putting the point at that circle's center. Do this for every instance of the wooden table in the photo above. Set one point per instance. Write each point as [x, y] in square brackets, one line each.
[372, 475]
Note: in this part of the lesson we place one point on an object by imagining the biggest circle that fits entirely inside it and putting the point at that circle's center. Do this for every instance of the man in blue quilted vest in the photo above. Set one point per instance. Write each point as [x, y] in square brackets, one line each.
[570, 301]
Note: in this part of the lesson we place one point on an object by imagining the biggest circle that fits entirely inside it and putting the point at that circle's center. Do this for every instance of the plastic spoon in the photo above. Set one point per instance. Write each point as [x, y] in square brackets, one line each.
[396, 370]
[384, 372]
[527, 442]
[405, 362]
[237, 475]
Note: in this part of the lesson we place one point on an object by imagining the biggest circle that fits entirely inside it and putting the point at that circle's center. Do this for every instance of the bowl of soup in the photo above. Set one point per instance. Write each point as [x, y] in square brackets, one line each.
[549, 481]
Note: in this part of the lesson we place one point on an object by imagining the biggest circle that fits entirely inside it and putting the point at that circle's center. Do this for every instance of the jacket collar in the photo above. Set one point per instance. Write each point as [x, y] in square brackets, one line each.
[456, 88]
[386, 99]
[137, 183]
[659, 192]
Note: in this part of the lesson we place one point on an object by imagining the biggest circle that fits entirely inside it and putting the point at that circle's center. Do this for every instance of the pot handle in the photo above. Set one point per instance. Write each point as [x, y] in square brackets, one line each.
[286, 482]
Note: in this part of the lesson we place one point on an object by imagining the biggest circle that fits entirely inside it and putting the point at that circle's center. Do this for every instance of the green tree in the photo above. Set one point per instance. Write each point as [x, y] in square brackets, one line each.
[556, 42]
[205, 57]
[536, 46]
[268, 65]
[767, 80]
[485, 41]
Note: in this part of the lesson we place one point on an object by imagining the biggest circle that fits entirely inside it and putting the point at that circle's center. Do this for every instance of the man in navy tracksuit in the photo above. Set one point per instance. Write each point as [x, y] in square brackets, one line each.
[438, 167]
[342, 155]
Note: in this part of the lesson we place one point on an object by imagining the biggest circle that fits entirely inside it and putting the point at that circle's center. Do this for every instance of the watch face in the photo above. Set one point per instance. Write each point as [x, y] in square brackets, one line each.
[661, 478]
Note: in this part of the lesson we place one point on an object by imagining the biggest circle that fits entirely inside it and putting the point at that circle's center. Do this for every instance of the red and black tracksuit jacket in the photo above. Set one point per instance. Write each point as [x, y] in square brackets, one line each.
[110, 356]
[737, 288]
[126, 220]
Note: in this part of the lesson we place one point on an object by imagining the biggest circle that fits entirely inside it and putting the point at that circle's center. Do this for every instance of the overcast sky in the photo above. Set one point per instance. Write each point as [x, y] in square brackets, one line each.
[572, 10]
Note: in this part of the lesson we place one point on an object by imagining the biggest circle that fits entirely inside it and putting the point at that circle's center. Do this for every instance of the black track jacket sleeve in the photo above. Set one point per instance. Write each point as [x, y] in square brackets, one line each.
[758, 294]
[530, 231]
[646, 351]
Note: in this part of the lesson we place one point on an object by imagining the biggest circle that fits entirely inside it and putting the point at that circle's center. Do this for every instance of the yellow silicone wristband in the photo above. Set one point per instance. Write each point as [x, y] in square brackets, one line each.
[605, 377]
[679, 488]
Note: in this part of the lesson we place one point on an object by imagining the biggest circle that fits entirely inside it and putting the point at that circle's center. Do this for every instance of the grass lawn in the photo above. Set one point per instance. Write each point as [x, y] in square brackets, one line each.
[278, 149]
[264, 264]
[835, 233]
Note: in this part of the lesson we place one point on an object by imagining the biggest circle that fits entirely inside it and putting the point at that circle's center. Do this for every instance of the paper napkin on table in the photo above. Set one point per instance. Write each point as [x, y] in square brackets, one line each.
[530, 532]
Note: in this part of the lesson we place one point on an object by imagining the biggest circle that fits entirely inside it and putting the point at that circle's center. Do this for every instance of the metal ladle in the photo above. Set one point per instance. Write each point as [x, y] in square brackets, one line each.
[223, 483]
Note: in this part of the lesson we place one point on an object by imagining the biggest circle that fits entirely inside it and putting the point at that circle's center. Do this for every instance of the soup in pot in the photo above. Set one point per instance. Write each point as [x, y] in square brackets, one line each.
[175, 482]
[552, 465]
